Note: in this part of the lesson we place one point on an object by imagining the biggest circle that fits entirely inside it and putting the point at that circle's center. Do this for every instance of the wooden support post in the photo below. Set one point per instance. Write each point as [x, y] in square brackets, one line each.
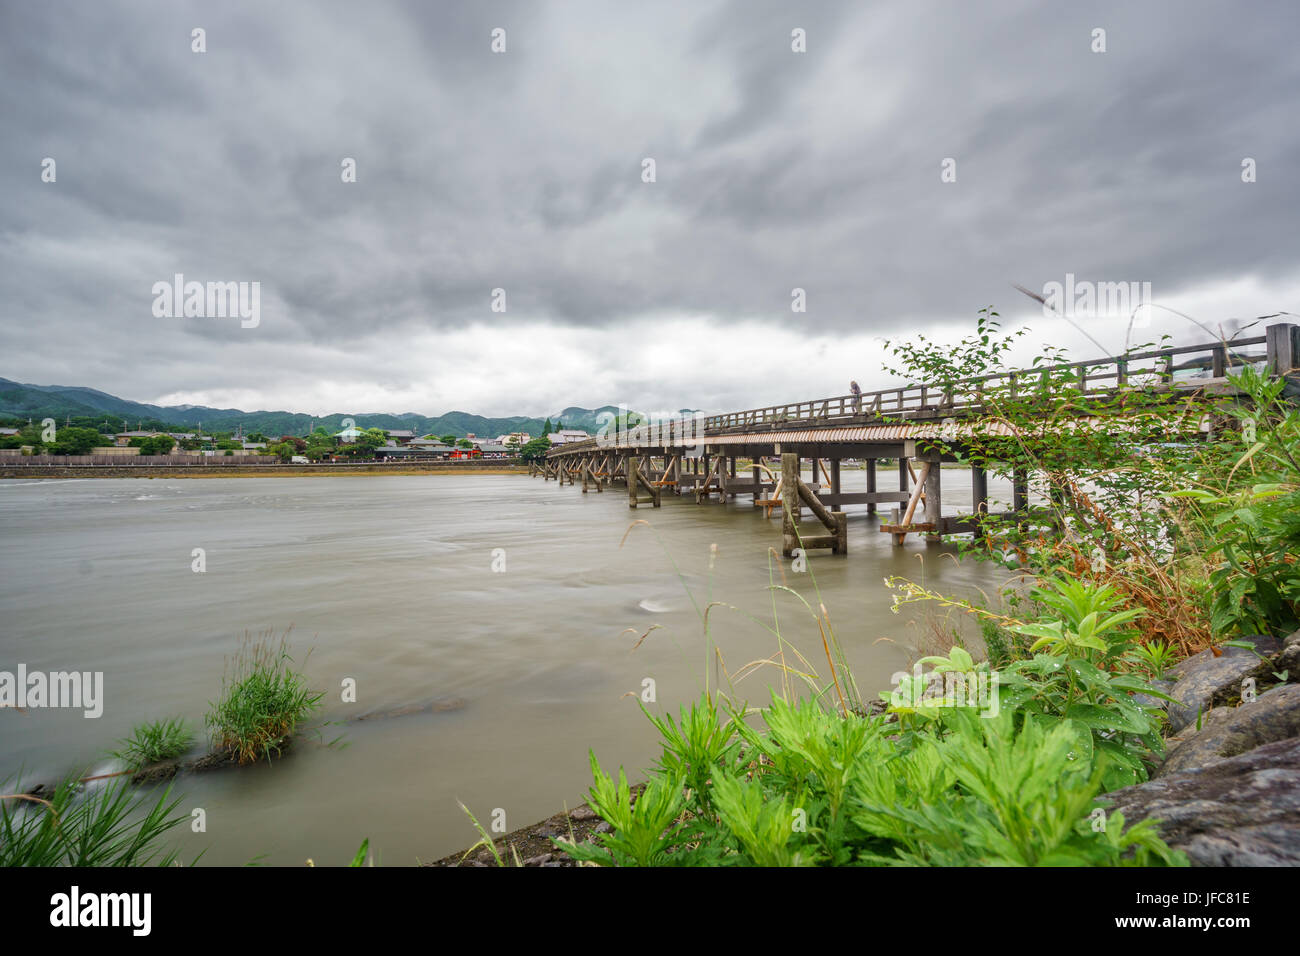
[934, 502]
[836, 522]
[835, 480]
[1282, 347]
[585, 465]
[655, 490]
[789, 504]
[758, 484]
[1020, 491]
[904, 469]
[871, 483]
[633, 474]
[979, 483]
[900, 536]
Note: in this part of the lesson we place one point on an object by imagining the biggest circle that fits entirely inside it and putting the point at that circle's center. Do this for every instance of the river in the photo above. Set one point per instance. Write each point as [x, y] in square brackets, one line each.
[390, 581]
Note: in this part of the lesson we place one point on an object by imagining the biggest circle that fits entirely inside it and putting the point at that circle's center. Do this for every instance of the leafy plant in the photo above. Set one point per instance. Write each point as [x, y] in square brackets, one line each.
[1153, 658]
[819, 788]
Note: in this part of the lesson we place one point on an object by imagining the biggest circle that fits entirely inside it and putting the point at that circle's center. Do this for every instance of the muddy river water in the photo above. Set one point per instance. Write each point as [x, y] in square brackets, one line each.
[508, 602]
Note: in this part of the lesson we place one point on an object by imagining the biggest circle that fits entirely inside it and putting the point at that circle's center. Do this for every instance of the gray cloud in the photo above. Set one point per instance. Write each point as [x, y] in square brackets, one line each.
[522, 171]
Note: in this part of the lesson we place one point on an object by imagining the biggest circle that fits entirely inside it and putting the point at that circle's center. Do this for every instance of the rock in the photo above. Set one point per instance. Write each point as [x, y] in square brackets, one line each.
[1274, 715]
[1210, 719]
[1204, 680]
[603, 827]
[1242, 811]
[1146, 700]
[582, 813]
[539, 860]
[546, 830]
[1289, 659]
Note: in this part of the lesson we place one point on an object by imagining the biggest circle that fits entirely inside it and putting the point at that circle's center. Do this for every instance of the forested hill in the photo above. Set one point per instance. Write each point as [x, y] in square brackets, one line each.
[22, 401]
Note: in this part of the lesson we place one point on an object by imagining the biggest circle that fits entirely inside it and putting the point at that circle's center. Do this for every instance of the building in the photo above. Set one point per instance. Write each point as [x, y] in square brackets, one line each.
[426, 443]
[124, 438]
[413, 452]
[494, 450]
[401, 436]
[566, 435]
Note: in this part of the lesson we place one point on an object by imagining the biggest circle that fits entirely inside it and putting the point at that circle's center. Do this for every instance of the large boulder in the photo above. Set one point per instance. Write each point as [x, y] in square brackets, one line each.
[1228, 731]
[1242, 811]
[1204, 680]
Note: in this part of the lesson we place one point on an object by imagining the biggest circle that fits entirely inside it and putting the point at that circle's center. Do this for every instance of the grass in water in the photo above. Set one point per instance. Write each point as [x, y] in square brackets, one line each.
[154, 742]
[263, 700]
[106, 826]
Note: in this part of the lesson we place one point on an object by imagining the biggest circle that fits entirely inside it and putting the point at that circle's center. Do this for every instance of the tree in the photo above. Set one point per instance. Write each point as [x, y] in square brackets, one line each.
[536, 449]
[157, 445]
[464, 443]
[366, 443]
[448, 439]
[75, 441]
[547, 428]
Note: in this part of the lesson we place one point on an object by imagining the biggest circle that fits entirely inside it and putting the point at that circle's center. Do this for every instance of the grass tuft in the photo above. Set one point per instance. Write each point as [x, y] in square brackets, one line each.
[263, 700]
[154, 742]
[103, 827]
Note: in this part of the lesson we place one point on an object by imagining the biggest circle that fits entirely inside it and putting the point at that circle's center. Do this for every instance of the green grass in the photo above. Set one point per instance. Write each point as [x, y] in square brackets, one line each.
[106, 826]
[154, 742]
[262, 702]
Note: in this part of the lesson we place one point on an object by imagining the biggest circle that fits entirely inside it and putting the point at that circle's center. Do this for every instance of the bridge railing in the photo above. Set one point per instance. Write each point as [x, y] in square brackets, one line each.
[1170, 368]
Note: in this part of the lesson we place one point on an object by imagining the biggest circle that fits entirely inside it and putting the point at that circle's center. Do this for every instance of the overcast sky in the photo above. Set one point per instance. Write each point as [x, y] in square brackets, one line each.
[523, 170]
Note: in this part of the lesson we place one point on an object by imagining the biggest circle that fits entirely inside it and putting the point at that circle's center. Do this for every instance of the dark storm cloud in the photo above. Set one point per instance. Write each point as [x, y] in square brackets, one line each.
[522, 170]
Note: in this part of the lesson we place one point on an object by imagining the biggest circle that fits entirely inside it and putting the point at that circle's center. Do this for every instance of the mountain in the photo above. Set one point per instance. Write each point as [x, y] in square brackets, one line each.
[23, 401]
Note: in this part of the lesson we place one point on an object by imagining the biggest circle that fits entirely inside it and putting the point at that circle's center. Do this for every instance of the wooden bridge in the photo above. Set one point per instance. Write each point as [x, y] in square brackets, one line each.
[698, 456]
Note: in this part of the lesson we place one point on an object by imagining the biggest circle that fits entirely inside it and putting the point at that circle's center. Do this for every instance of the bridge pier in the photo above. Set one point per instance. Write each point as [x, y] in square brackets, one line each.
[794, 494]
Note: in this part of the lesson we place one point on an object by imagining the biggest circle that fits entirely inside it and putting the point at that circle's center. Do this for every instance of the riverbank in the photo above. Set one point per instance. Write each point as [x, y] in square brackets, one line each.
[532, 846]
[260, 471]
[1225, 793]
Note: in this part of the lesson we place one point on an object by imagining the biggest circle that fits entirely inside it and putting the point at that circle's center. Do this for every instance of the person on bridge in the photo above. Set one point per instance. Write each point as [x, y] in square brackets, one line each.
[857, 397]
